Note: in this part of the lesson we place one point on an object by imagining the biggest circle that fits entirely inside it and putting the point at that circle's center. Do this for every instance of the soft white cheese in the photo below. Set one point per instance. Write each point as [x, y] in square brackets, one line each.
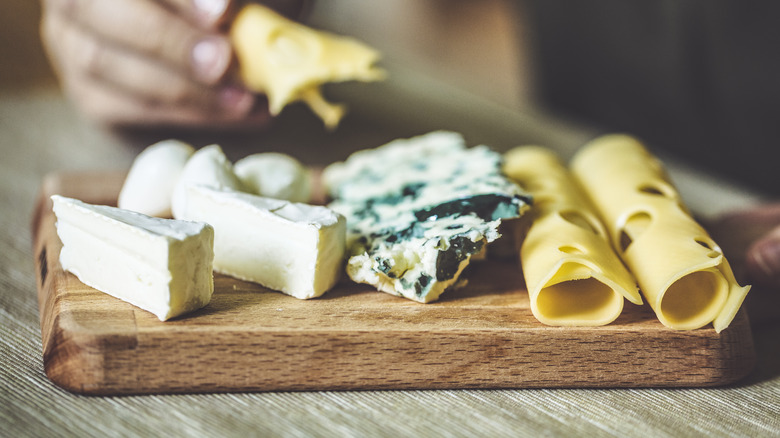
[294, 248]
[163, 266]
[152, 178]
[209, 167]
[274, 175]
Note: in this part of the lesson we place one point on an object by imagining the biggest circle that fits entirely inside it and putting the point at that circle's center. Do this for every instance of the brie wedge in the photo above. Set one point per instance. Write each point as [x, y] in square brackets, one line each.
[294, 248]
[163, 266]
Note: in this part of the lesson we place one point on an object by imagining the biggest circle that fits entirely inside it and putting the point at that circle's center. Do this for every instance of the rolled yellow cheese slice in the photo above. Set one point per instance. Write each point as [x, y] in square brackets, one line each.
[290, 62]
[573, 276]
[681, 271]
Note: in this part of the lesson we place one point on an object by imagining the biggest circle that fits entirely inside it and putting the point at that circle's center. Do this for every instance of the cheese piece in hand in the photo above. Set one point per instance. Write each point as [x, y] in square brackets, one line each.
[419, 209]
[274, 175]
[681, 271]
[208, 166]
[294, 248]
[149, 185]
[163, 266]
[290, 62]
[574, 277]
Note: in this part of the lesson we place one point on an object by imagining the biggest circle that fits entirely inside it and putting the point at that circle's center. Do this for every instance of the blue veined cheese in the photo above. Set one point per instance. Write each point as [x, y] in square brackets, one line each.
[419, 209]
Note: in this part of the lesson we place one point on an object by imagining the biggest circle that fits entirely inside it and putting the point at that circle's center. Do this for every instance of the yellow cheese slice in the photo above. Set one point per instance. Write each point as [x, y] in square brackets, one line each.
[290, 62]
[573, 276]
[681, 271]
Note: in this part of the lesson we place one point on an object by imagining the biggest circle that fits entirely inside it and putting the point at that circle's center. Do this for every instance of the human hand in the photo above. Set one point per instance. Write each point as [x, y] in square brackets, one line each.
[751, 241]
[151, 62]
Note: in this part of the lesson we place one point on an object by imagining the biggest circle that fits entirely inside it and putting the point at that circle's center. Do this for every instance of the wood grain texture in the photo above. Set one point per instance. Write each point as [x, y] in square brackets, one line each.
[253, 339]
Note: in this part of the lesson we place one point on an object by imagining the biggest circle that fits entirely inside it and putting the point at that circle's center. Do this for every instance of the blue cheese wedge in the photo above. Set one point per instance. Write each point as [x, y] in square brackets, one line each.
[163, 266]
[293, 248]
[419, 209]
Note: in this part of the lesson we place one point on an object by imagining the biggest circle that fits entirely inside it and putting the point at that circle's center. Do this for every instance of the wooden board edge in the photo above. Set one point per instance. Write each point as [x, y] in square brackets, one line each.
[495, 362]
[72, 356]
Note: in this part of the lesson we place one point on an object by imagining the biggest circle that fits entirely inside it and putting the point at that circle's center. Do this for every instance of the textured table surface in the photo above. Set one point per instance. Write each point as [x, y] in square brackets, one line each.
[40, 133]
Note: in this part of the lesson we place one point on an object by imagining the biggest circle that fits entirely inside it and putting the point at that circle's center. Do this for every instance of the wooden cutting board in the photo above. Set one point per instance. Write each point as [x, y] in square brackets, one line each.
[253, 339]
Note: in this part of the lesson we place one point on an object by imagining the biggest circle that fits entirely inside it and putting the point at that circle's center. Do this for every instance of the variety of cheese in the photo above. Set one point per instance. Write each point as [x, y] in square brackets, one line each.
[274, 175]
[573, 276]
[419, 209]
[163, 266]
[289, 61]
[149, 185]
[680, 270]
[294, 248]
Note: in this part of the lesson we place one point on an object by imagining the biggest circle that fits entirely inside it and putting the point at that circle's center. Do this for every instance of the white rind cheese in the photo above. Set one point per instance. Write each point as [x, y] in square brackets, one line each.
[163, 266]
[149, 185]
[419, 209]
[294, 248]
[209, 167]
[274, 175]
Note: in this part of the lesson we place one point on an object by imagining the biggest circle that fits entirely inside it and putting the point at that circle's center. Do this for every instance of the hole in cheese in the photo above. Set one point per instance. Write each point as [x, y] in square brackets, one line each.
[579, 301]
[577, 219]
[713, 253]
[635, 225]
[694, 300]
[570, 250]
[655, 190]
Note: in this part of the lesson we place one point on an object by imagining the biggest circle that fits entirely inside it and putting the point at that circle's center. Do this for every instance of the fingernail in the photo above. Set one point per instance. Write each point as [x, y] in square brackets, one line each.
[210, 59]
[236, 100]
[766, 256]
[210, 11]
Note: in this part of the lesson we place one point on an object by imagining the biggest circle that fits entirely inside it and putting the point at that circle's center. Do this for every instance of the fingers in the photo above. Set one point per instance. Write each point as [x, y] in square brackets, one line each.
[118, 109]
[149, 28]
[104, 82]
[208, 14]
[212, 14]
[151, 61]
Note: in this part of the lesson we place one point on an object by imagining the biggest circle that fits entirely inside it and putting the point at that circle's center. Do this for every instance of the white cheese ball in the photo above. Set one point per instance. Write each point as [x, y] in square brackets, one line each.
[207, 167]
[275, 175]
[149, 185]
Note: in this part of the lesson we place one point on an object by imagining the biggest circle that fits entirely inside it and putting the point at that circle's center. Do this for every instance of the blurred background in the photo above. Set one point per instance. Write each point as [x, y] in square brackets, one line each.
[696, 80]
